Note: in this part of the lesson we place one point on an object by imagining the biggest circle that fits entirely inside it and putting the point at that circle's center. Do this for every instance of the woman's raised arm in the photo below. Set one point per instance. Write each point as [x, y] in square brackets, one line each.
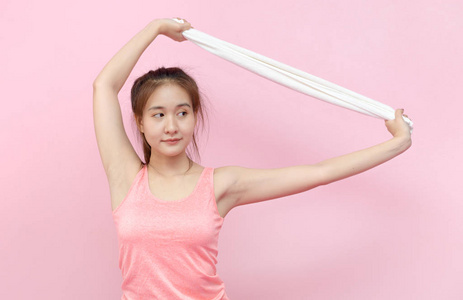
[117, 153]
[118, 69]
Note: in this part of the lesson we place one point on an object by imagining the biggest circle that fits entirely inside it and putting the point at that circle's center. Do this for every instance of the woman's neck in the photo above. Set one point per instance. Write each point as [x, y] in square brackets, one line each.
[171, 166]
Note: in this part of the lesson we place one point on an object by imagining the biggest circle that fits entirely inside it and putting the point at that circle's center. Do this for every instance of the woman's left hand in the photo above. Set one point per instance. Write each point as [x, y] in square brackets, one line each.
[398, 127]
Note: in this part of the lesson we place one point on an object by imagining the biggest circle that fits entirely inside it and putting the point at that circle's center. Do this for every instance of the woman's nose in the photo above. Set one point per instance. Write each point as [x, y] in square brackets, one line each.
[171, 125]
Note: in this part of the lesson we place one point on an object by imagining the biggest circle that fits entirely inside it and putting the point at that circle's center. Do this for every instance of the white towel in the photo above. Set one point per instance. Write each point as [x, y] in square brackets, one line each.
[291, 77]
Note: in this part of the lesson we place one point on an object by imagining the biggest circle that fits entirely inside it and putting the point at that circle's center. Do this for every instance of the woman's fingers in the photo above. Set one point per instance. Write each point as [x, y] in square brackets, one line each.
[184, 24]
[174, 28]
[398, 126]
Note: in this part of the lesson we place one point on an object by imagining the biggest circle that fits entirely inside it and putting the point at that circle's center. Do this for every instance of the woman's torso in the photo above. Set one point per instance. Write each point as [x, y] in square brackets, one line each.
[168, 240]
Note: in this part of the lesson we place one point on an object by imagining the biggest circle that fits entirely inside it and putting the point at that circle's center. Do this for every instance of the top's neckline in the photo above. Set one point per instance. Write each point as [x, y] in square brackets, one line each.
[172, 201]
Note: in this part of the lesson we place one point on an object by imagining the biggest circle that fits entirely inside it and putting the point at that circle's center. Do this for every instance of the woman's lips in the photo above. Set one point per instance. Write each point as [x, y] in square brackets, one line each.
[172, 142]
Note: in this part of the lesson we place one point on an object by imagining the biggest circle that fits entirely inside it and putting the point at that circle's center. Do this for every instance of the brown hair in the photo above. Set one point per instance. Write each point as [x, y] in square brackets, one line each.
[145, 85]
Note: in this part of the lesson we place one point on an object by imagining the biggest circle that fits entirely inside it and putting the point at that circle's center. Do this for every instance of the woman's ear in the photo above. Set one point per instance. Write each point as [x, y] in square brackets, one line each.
[139, 124]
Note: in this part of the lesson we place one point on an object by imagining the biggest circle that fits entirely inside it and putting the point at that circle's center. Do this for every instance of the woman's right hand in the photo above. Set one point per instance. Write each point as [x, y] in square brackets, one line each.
[173, 29]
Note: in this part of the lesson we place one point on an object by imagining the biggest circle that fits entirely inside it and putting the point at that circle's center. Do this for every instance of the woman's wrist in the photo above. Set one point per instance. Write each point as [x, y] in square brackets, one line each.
[155, 26]
[405, 142]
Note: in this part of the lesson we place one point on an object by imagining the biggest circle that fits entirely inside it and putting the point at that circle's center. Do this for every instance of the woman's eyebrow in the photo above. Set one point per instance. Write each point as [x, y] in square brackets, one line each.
[158, 107]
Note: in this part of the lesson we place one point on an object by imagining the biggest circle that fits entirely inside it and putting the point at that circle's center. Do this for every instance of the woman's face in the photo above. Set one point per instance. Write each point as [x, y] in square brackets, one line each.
[168, 114]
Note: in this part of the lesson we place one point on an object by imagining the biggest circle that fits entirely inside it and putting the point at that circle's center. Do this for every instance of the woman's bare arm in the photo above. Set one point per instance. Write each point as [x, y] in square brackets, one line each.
[118, 69]
[254, 185]
[344, 166]
[117, 153]
[338, 168]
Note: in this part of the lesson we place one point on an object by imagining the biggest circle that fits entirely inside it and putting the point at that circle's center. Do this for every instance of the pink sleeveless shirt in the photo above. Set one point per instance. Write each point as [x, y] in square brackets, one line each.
[168, 249]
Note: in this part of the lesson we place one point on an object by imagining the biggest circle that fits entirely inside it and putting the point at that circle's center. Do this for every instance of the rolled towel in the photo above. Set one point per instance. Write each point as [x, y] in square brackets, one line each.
[291, 77]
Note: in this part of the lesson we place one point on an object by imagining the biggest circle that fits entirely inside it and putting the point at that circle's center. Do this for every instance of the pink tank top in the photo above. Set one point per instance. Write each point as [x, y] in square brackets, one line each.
[168, 249]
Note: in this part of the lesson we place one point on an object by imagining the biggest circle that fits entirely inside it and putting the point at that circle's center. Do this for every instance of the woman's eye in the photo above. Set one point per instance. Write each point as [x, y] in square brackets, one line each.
[161, 114]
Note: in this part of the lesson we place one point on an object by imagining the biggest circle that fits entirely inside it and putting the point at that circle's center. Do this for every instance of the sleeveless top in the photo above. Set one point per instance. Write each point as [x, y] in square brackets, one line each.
[168, 249]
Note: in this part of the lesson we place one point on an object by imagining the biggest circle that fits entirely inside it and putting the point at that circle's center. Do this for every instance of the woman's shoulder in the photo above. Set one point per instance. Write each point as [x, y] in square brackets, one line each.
[226, 175]
[224, 179]
[224, 169]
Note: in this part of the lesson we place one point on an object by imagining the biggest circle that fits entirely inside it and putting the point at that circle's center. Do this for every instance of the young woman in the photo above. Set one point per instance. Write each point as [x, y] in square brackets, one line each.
[169, 210]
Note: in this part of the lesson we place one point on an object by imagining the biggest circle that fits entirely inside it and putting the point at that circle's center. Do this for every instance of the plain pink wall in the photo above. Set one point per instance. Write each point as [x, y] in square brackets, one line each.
[394, 232]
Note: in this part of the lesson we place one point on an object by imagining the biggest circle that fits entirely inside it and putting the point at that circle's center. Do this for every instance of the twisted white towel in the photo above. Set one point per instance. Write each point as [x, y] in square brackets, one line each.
[291, 77]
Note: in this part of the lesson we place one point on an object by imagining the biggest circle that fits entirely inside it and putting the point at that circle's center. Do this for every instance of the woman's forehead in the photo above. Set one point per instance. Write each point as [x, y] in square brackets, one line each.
[169, 96]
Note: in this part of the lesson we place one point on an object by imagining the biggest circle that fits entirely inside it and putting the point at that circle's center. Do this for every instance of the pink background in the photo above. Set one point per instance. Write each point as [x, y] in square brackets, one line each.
[394, 232]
